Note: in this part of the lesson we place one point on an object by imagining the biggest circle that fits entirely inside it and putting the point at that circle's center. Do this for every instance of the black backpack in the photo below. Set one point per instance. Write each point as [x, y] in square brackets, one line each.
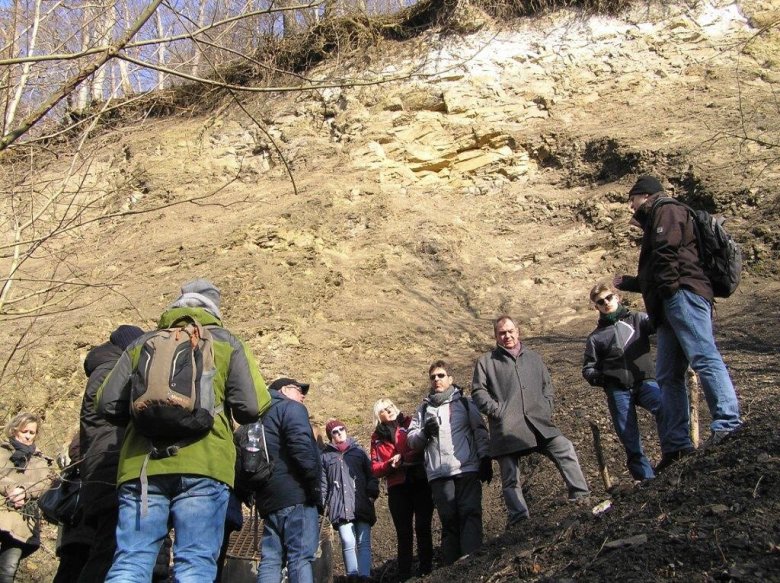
[719, 254]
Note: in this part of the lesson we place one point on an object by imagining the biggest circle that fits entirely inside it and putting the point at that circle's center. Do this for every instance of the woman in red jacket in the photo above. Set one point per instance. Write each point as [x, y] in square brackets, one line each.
[408, 492]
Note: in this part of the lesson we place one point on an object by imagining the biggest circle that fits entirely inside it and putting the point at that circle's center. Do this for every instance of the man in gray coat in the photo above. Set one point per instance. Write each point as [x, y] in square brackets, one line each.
[512, 386]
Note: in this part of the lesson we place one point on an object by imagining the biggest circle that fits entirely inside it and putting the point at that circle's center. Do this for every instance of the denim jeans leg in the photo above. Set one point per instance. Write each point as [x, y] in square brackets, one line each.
[690, 316]
[198, 512]
[348, 547]
[363, 536]
[670, 367]
[512, 489]
[272, 553]
[302, 535]
[623, 412]
[138, 535]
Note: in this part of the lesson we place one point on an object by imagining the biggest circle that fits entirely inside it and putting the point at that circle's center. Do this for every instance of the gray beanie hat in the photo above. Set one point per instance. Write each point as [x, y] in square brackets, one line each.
[200, 293]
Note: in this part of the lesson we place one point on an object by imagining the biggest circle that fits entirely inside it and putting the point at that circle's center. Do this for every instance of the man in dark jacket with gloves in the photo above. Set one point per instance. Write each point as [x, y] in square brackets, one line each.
[678, 298]
[99, 442]
[290, 503]
[511, 385]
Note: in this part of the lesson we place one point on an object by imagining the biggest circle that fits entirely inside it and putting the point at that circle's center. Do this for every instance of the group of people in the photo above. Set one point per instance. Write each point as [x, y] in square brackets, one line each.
[136, 489]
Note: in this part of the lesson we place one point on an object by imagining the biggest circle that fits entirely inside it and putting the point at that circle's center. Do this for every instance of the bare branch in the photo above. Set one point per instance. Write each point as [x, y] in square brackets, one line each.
[76, 80]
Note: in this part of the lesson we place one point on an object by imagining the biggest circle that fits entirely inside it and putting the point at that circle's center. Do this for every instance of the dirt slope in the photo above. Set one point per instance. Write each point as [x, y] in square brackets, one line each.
[427, 206]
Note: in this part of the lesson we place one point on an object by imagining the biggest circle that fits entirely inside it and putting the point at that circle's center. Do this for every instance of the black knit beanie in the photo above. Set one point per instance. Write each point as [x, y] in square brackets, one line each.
[124, 335]
[645, 185]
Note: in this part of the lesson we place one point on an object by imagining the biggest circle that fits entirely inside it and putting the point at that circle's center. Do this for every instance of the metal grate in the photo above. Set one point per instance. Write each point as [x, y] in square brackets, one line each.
[245, 543]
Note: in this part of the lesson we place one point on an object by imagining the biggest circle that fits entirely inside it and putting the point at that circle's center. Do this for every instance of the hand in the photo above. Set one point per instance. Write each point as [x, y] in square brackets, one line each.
[617, 281]
[16, 497]
[431, 427]
[485, 470]
[395, 461]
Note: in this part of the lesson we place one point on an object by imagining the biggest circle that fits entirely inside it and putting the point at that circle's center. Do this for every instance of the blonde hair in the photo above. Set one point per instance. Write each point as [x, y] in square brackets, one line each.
[380, 405]
[20, 421]
[600, 288]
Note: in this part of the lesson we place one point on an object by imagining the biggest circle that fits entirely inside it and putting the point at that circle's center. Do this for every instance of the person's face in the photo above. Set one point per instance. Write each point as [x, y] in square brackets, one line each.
[507, 335]
[27, 433]
[293, 392]
[440, 380]
[338, 434]
[607, 302]
[634, 202]
[388, 414]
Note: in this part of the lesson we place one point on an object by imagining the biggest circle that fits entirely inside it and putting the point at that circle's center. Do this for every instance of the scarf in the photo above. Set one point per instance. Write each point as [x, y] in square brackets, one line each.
[342, 447]
[22, 453]
[514, 352]
[609, 319]
[436, 399]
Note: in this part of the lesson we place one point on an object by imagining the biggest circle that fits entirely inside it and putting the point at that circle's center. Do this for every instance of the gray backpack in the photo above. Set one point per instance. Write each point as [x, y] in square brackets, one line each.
[172, 386]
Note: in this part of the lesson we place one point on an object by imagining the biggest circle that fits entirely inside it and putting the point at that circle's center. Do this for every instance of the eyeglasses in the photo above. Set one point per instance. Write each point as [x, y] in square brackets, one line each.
[438, 375]
[336, 430]
[605, 300]
[389, 409]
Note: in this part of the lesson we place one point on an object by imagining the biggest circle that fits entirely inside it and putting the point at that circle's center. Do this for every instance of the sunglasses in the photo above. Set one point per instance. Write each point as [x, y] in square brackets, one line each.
[605, 300]
[336, 430]
[438, 375]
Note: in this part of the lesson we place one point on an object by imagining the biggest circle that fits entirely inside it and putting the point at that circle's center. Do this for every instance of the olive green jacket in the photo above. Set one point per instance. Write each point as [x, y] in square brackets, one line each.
[238, 386]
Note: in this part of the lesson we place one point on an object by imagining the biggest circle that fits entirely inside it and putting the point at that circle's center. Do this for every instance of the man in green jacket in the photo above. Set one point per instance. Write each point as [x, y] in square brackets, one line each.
[189, 489]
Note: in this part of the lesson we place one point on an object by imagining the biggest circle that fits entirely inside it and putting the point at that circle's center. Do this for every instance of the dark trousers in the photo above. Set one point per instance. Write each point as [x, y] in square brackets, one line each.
[458, 501]
[10, 555]
[101, 553]
[411, 507]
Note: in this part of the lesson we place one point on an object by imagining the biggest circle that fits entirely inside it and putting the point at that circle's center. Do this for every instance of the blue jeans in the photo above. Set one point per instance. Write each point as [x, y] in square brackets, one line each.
[356, 536]
[622, 407]
[195, 507]
[686, 337]
[290, 537]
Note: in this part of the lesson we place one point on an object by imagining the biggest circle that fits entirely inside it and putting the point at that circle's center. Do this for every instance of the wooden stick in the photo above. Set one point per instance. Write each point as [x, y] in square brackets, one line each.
[693, 399]
[600, 455]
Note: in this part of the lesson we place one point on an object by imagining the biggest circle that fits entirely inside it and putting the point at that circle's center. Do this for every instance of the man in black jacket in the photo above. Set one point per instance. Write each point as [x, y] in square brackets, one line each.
[617, 358]
[290, 502]
[678, 297]
[100, 441]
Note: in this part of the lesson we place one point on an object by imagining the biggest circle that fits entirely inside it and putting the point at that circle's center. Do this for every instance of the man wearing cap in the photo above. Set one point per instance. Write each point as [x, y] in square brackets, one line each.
[188, 488]
[290, 502]
[678, 298]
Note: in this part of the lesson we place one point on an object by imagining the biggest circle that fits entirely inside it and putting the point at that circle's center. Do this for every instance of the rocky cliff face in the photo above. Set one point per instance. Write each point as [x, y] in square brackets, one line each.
[488, 177]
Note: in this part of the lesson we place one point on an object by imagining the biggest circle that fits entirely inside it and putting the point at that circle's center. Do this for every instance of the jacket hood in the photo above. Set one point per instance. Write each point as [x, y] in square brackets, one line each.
[203, 316]
[100, 355]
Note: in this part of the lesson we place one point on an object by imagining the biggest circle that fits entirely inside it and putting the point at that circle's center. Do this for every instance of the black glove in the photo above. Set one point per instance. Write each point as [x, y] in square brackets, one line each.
[431, 427]
[313, 498]
[485, 470]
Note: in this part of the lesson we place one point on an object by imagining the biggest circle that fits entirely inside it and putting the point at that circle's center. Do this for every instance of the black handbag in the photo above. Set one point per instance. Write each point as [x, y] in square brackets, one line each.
[61, 503]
